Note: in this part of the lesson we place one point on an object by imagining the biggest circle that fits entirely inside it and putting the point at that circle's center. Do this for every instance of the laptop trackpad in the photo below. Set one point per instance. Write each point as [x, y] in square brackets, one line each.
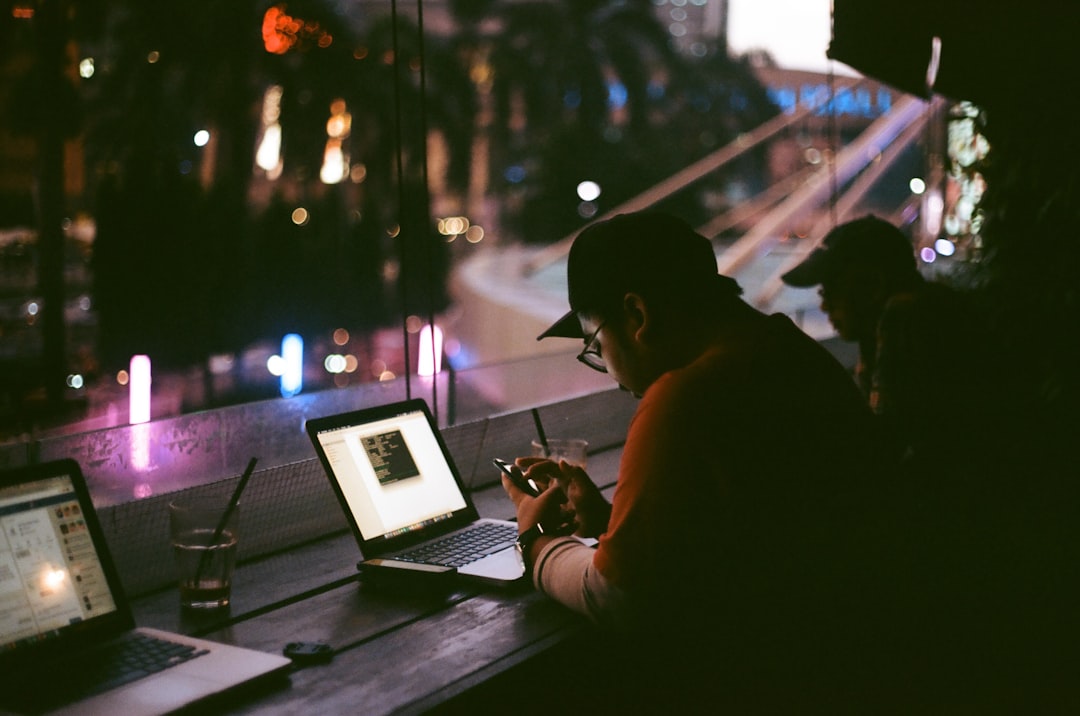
[496, 567]
[163, 692]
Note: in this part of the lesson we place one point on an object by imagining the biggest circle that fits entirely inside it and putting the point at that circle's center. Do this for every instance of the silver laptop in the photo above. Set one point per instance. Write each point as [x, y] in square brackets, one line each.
[403, 496]
[63, 614]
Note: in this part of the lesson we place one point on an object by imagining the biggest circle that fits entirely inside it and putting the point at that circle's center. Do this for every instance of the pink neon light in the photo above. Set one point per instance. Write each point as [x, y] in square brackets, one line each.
[139, 390]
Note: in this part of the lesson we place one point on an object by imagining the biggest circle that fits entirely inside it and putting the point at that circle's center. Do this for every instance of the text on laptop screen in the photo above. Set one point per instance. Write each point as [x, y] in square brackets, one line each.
[393, 474]
[50, 573]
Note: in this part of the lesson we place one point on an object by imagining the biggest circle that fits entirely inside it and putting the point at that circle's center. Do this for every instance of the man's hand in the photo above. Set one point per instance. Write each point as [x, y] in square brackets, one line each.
[546, 507]
[584, 505]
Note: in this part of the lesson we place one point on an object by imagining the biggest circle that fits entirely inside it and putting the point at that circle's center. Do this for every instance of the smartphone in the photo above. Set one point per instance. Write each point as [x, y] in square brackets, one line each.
[392, 573]
[529, 487]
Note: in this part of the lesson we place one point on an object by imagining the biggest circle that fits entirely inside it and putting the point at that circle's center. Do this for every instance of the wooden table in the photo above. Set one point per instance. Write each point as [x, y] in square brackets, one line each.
[394, 652]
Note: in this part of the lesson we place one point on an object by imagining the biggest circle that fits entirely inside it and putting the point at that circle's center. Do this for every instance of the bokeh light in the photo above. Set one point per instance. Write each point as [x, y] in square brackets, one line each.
[944, 247]
[588, 191]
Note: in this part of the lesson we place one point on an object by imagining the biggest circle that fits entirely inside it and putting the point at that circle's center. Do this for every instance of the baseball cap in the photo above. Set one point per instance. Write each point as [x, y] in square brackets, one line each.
[868, 240]
[637, 251]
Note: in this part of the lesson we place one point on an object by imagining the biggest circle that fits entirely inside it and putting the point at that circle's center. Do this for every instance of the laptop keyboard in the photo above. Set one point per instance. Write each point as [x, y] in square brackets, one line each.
[464, 547]
[137, 657]
[114, 665]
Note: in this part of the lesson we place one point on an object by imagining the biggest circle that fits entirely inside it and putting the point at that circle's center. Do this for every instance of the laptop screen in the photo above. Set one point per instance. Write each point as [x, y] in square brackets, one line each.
[392, 473]
[51, 576]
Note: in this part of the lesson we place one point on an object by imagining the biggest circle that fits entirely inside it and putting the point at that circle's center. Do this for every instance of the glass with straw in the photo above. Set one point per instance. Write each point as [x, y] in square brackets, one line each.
[204, 537]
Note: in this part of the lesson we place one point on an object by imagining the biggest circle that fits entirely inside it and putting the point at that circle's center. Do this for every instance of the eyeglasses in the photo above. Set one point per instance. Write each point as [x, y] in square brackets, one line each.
[590, 354]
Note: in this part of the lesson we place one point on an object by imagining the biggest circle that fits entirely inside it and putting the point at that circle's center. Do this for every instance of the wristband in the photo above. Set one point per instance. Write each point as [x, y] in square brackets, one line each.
[525, 539]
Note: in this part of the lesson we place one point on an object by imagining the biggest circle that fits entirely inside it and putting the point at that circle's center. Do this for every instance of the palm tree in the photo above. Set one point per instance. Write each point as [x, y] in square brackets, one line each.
[594, 90]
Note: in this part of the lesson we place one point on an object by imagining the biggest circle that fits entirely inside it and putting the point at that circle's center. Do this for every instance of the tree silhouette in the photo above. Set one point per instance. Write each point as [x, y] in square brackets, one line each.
[594, 90]
[180, 239]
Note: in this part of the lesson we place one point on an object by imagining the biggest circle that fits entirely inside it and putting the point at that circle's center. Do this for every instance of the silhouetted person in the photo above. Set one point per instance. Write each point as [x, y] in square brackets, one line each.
[981, 537]
[926, 356]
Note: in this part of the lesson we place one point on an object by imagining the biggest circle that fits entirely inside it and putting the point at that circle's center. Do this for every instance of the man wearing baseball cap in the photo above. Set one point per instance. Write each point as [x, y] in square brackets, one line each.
[925, 354]
[748, 446]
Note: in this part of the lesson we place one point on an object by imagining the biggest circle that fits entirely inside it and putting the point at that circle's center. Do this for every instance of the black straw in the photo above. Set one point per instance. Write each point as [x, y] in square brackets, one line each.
[540, 432]
[233, 502]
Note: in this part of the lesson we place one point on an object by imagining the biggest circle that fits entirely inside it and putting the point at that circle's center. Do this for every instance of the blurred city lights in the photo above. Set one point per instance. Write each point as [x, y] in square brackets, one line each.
[588, 191]
[617, 95]
[292, 353]
[933, 210]
[927, 254]
[221, 364]
[334, 163]
[140, 447]
[453, 225]
[139, 390]
[153, 56]
[944, 247]
[474, 234]
[122, 377]
[202, 138]
[917, 185]
[275, 364]
[334, 363]
[335, 158]
[340, 122]
[430, 361]
[86, 68]
[75, 381]
[341, 336]
[514, 174]
[281, 32]
[268, 154]
[300, 216]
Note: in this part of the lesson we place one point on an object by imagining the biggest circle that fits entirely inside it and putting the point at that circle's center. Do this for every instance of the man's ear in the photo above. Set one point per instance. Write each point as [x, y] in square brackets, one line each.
[637, 316]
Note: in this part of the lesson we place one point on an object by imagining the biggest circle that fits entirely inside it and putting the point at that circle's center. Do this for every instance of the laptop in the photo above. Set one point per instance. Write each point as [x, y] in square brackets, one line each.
[403, 495]
[63, 612]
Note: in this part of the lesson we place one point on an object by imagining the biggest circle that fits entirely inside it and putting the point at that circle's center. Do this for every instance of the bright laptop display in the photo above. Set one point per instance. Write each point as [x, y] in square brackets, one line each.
[61, 600]
[398, 484]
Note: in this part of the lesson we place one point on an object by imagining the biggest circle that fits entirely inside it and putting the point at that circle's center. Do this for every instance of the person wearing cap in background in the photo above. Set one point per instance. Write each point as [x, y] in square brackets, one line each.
[733, 523]
[973, 505]
[926, 358]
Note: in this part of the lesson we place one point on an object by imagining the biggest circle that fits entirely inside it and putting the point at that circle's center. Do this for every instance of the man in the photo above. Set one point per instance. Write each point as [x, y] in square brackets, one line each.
[734, 526]
[925, 356]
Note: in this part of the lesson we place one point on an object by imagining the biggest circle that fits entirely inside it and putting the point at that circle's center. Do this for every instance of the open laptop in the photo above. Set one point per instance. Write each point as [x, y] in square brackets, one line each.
[402, 493]
[62, 611]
